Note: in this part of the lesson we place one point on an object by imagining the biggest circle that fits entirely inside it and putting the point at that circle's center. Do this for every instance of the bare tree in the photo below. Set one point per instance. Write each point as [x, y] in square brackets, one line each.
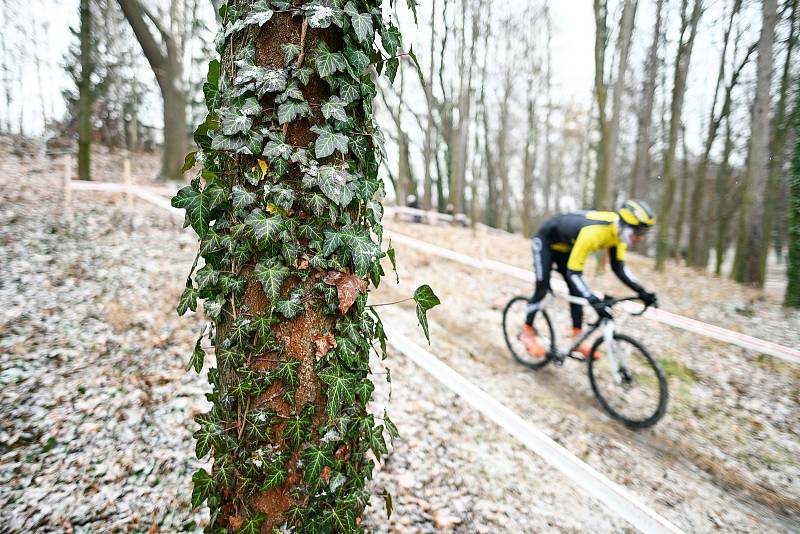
[682, 61]
[86, 97]
[748, 267]
[164, 51]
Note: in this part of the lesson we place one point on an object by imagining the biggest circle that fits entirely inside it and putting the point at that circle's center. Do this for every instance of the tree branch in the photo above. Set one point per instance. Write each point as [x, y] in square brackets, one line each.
[135, 14]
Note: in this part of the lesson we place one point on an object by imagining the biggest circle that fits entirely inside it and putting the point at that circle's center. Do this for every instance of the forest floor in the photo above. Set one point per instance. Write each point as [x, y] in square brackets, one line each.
[96, 405]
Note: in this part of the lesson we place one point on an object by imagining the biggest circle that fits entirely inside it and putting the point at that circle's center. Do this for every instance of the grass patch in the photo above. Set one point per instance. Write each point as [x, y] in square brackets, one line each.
[676, 369]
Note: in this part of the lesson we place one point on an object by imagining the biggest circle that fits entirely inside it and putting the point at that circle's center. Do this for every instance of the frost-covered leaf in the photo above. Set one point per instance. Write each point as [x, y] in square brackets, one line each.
[271, 273]
[333, 108]
[333, 182]
[328, 141]
[280, 195]
[242, 198]
[198, 204]
[326, 61]
[237, 26]
[322, 13]
[276, 148]
[260, 13]
[251, 107]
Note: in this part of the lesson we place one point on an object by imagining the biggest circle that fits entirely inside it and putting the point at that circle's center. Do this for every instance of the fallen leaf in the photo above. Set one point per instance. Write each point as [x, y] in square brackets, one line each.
[326, 474]
[324, 343]
[348, 287]
[236, 522]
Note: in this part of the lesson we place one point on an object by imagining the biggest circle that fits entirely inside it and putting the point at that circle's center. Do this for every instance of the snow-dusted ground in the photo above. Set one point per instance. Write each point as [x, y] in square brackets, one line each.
[96, 406]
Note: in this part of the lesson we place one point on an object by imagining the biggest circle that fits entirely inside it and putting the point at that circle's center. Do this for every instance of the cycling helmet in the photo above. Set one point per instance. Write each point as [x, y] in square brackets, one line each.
[637, 213]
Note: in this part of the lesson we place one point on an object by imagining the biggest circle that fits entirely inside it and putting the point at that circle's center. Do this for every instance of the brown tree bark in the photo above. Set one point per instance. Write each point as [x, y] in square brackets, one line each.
[167, 63]
[85, 98]
[748, 266]
[682, 62]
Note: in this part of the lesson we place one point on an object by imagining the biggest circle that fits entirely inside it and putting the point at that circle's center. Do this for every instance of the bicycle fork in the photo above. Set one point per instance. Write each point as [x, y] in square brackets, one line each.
[615, 358]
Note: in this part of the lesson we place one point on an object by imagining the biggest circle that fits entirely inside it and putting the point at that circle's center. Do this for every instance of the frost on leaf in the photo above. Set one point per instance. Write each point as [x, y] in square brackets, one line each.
[348, 288]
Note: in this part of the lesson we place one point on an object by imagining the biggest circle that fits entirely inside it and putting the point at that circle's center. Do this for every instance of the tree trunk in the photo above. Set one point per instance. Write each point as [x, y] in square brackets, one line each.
[677, 251]
[682, 62]
[166, 60]
[291, 439]
[428, 150]
[623, 49]
[792, 296]
[601, 92]
[727, 197]
[529, 163]
[502, 151]
[749, 268]
[85, 98]
[777, 150]
[698, 218]
[548, 121]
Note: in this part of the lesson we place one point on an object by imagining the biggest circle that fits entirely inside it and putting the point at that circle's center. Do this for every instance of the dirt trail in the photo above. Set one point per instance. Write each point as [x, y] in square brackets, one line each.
[705, 466]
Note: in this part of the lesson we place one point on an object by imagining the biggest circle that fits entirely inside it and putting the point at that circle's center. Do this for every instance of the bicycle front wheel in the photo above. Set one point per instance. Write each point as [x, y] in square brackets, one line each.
[514, 319]
[628, 382]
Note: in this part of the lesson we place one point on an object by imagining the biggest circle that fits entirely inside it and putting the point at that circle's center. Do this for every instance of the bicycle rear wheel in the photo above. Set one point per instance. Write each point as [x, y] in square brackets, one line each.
[634, 393]
[514, 319]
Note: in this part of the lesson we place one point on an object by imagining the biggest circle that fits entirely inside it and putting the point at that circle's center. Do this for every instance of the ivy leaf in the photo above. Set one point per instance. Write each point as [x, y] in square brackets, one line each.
[333, 181]
[289, 308]
[253, 524]
[390, 426]
[242, 198]
[425, 299]
[260, 13]
[234, 121]
[188, 300]
[198, 205]
[203, 487]
[316, 459]
[290, 51]
[264, 227]
[362, 24]
[321, 13]
[365, 389]
[357, 59]
[224, 473]
[333, 108]
[363, 249]
[391, 68]
[341, 389]
[391, 253]
[304, 74]
[198, 357]
[291, 109]
[359, 147]
[316, 203]
[295, 432]
[251, 107]
[281, 195]
[326, 61]
[348, 92]
[205, 437]
[391, 39]
[333, 240]
[224, 142]
[341, 518]
[271, 273]
[328, 141]
[277, 148]
[276, 477]
[376, 441]
[213, 308]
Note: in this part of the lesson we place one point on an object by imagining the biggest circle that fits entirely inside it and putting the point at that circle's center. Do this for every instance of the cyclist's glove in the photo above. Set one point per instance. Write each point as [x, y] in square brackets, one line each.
[649, 299]
[601, 307]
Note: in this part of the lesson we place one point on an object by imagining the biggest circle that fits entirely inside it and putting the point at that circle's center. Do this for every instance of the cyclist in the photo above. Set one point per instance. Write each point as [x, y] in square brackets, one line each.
[567, 240]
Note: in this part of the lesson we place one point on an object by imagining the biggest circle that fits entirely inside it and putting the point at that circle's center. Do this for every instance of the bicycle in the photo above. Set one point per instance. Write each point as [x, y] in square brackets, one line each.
[623, 375]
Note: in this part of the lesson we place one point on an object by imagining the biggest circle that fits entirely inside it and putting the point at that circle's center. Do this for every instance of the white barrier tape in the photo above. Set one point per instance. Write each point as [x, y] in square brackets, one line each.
[685, 323]
[715, 332]
[616, 498]
[113, 187]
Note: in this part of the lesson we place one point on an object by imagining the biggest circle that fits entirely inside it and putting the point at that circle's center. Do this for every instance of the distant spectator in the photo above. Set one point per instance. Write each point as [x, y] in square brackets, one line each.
[412, 202]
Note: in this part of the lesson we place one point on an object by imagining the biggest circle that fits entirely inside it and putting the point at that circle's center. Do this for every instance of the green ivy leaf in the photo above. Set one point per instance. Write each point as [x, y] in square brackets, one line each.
[365, 389]
[316, 459]
[205, 437]
[198, 357]
[357, 59]
[341, 518]
[198, 205]
[333, 240]
[391, 39]
[260, 13]
[341, 388]
[321, 13]
[296, 431]
[271, 273]
[290, 52]
[362, 25]
[242, 198]
[390, 426]
[392, 66]
[326, 61]
[304, 74]
[328, 141]
[234, 121]
[224, 474]
[316, 203]
[275, 478]
[425, 299]
[363, 249]
[334, 108]
[391, 253]
[203, 487]
[289, 308]
[207, 277]
[188, 300]
[276, 148]
[265, 227]
[291, 109]
[359, 147]
[253, 524]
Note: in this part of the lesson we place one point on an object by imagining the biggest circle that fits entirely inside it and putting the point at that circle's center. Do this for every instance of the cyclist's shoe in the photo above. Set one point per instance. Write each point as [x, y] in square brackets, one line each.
[584, 348]
[532, 345]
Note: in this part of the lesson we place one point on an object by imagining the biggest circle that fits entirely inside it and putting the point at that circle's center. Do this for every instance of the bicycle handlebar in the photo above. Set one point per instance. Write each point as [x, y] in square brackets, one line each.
[611, 301]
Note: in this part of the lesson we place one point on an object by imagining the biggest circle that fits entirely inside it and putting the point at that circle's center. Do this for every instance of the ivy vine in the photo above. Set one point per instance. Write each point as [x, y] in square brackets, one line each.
[287, 210]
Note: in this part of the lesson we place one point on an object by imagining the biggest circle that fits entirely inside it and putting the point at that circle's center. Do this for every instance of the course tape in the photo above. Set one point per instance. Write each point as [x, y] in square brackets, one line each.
[617, 499]
[678, 321]
[154, 196]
